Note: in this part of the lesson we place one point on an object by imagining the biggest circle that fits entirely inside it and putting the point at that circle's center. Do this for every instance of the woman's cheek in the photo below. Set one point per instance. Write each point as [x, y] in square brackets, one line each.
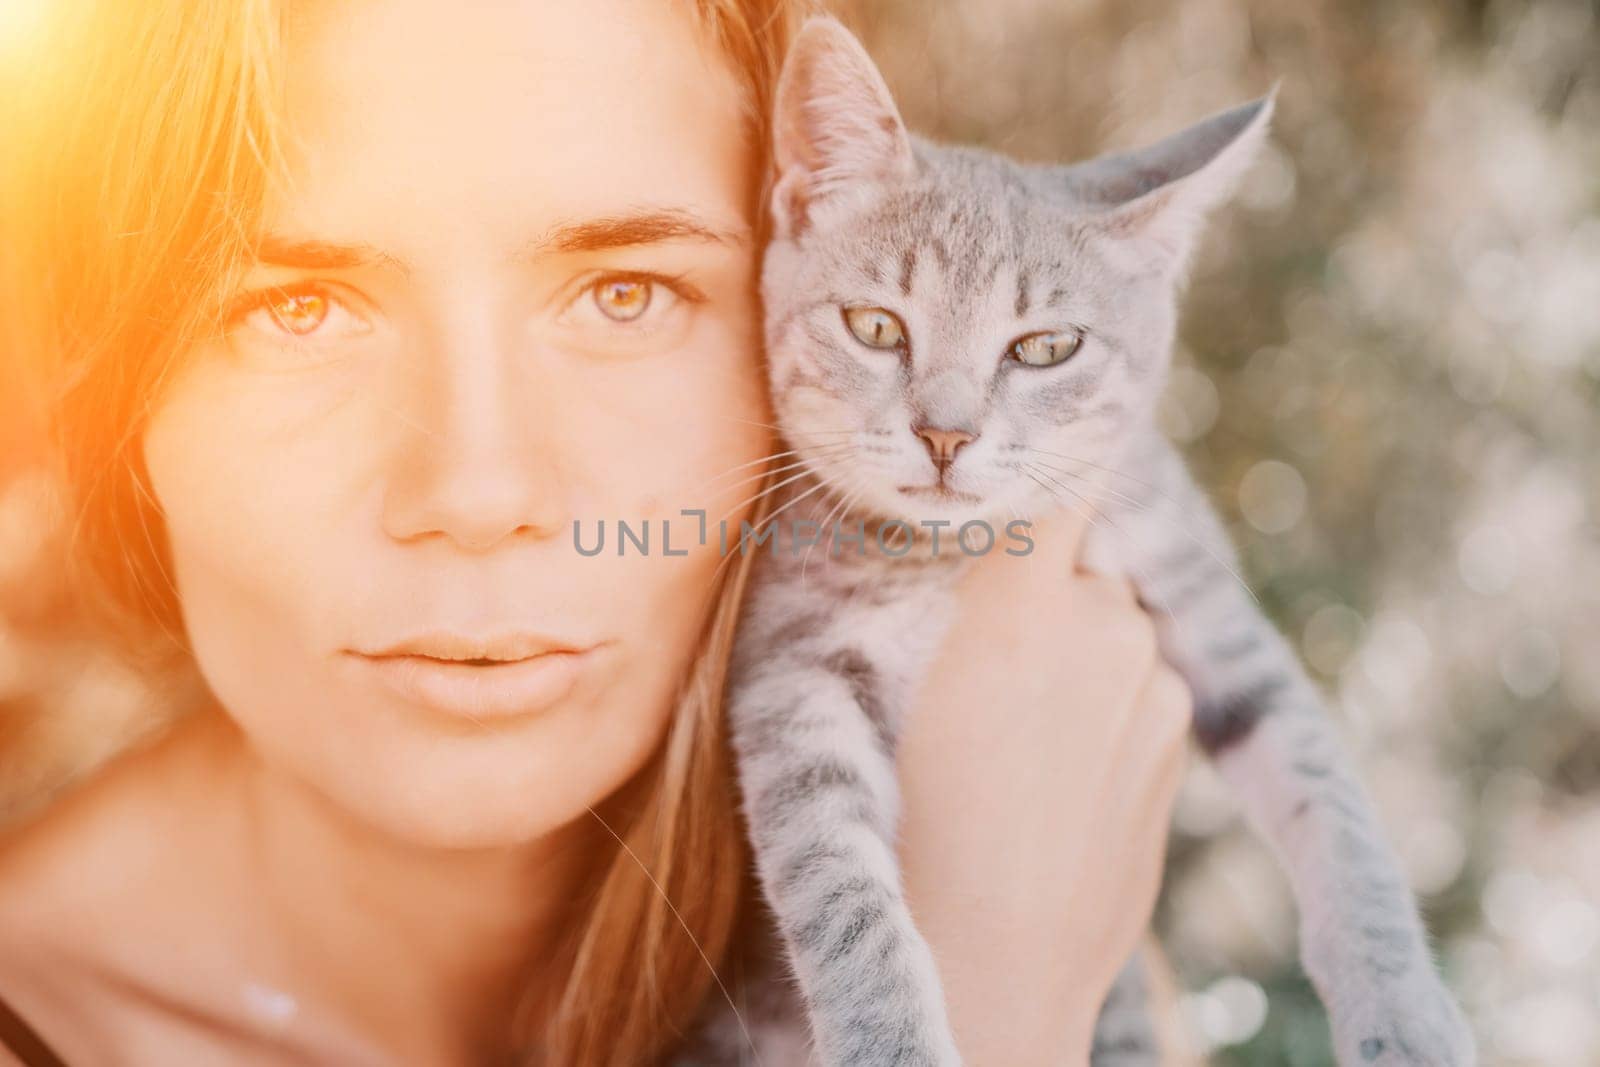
[253, 481]
[690, 429]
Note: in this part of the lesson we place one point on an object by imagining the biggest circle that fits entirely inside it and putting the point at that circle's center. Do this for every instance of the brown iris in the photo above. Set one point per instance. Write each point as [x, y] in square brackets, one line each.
[622, 300]
[300, 313]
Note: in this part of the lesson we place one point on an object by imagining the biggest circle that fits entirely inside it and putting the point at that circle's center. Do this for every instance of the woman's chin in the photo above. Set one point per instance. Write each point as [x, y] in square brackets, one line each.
[471, 811]
[426, 786]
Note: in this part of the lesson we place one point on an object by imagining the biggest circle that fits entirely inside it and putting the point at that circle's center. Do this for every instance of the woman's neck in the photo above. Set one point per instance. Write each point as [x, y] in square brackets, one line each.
[257, 903]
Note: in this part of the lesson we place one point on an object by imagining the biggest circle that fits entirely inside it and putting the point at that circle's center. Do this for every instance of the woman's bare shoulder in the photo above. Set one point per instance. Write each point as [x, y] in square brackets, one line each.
[76, 876]
[53, 870]
[97, 887]
[74, 854]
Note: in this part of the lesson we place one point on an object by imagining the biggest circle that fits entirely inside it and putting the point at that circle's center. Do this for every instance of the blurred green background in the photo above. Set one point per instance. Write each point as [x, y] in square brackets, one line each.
[1387, 374]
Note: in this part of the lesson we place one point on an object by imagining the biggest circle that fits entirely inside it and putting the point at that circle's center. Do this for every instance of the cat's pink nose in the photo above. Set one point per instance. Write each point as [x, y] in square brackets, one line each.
[942, 444]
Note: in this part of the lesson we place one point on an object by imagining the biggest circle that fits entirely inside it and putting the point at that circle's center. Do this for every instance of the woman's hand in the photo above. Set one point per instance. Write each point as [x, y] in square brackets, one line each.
[1038, 766]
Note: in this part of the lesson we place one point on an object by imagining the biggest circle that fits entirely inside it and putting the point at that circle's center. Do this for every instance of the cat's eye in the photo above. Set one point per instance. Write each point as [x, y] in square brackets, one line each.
[1046, 349]
[875, 327]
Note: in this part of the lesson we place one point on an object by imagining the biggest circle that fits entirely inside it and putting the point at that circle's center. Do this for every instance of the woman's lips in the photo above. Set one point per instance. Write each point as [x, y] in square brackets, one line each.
[472, 691]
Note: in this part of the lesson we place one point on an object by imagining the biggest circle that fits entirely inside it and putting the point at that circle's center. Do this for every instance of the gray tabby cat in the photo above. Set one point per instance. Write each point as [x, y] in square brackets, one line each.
[954, 336]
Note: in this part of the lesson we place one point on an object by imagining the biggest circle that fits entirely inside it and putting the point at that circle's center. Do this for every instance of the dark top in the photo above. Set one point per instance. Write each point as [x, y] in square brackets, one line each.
[17, 1037]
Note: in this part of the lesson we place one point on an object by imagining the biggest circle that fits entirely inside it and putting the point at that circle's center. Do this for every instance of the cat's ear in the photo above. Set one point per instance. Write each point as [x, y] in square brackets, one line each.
[836, 130]
[1159, 195]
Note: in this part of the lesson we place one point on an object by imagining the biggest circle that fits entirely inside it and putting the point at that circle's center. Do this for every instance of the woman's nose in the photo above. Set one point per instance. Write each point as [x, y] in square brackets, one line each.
[476, 459]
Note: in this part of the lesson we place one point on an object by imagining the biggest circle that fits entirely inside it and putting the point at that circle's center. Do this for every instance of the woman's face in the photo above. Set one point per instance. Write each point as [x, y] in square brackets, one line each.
[508, 290]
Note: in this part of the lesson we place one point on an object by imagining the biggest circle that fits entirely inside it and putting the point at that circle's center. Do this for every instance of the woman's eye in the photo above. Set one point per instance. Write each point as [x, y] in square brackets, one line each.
[623, 299]
[638, 303]
[1045, 349]
[296, 313]
[875, 327]
[300, 313]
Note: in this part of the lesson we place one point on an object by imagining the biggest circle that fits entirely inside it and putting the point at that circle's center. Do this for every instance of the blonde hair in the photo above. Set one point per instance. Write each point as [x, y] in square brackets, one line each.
[141, 140]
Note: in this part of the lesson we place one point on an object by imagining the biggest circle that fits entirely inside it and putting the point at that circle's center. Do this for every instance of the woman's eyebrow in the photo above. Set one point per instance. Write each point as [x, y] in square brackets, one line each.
[318, 255]
[583, 235]
[633, 228]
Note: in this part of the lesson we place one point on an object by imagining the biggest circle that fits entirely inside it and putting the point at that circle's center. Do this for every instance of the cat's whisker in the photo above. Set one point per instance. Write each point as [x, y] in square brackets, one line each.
[777, 470]
[760, 525]
[754, 462]
[1127, 498]
[756, 530]
[1079, 474]
[1145, 506]
[739, 507]
[826, 521]
[749, 1038]
[1086, 484]
[787, 433]
[1151, 486]
[795, 460]
[738, 548]
[1103, 467]
[398, 414]
[822, 484]
[1139, 572]
[841, 509]
[1014, 516]
[1051, 493]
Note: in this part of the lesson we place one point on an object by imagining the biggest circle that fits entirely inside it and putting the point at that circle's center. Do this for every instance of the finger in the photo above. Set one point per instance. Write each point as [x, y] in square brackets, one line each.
[1159, 780]
[1160, 741]
[1162, 708]
[1142, 865]
[1116, 588]
[1149, 867]
[1027, 560]
[1168, 702]
[1057, 538]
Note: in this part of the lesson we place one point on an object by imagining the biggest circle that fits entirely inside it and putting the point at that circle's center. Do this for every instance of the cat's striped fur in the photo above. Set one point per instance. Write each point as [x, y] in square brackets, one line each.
[969, 251]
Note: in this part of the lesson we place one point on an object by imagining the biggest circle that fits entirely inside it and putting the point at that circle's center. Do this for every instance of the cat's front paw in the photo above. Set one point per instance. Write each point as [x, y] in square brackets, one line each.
[910, 1043]
[1125, 1055]
[1419, 1026]
[889, 1051]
